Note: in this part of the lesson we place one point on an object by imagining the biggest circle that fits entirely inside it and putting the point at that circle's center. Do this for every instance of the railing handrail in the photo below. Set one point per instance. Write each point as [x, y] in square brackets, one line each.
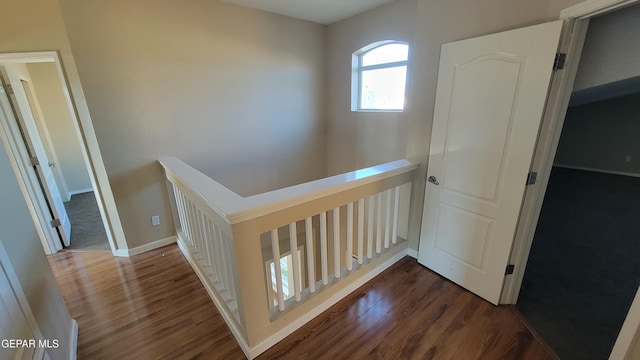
[236, 208]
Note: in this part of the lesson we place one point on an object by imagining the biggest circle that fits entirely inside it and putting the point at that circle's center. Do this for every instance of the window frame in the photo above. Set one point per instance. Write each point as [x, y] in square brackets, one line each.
[272, 291]
[357, 70]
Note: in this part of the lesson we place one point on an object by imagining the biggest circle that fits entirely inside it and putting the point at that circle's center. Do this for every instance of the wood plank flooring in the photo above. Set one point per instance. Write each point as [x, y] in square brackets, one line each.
[152, 306]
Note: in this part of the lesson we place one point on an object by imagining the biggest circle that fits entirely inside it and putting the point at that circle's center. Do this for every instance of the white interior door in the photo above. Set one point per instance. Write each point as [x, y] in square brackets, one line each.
[42, 168]
[489, 103]
[16, 318]
[13, 324]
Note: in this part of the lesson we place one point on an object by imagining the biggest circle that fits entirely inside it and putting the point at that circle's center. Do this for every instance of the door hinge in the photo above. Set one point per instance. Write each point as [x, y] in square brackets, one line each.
[55, 223]
[558, 63]
[509, 269]
[8, 89]
[532, 178]
[34, 161]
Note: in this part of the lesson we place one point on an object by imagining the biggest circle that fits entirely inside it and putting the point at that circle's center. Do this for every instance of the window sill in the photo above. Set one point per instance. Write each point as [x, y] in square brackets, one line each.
[376, 111]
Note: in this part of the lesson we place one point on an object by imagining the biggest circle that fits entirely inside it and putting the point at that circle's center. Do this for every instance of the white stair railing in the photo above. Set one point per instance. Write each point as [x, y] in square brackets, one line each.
[272, 262]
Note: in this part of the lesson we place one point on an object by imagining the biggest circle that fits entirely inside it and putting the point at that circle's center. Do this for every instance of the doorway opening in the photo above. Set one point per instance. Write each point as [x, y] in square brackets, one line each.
[583, 271]
[40, 128]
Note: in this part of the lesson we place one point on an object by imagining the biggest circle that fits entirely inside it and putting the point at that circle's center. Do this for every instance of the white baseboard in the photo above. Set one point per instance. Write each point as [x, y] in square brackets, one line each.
[146, 247]
[73, 341]
[335, 298]
[597, 170]
[229, 319]
[413, 253]
[76, 192]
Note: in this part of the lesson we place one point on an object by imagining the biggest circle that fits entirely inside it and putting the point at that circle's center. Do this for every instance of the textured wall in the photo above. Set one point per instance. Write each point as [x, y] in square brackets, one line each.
[32, 25]
[360, 139]
[612, 49]
[602, 135]
[59, 123]
[237, 93]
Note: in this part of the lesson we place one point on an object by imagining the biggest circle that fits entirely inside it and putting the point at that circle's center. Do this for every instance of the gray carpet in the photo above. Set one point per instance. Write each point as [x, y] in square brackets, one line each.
[584, 268]
[87, 230]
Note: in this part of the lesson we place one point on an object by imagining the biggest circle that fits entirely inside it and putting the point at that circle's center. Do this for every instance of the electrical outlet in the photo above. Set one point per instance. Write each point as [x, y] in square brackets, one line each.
[627, 158]
[155, 220]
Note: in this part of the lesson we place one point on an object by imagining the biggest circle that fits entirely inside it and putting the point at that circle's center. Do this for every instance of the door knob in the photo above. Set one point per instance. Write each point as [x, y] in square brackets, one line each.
[433, 180]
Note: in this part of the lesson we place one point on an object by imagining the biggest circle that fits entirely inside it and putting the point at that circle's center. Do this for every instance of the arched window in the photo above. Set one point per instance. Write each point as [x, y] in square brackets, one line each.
[379, 77]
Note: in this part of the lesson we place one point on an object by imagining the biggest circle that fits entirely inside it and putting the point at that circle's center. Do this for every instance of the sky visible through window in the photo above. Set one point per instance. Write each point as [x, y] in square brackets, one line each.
[383, 75]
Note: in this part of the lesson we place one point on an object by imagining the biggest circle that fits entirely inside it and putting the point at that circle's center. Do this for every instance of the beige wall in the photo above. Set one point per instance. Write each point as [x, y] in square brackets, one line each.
[22, 243]
[59, 124]
[237, 93]
[30, 25]
[360, 139]
[556, 6]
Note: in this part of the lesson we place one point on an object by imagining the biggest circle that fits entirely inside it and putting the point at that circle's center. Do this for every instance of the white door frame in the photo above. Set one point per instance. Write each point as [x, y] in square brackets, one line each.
[574, 33]
[46, 140]
[6, 270]
[90, 152]
[27, 179]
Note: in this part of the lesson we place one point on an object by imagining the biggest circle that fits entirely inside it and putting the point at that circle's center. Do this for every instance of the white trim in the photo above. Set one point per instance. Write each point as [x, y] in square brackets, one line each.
[229, 319]
[576, 23]
[413, 253]
[596, 170]
[73, 340]
[12, 277]
[591, 8]
[40, 119]
[237, 331]
[26, 178]
[85, 132]
[146, 247]
[76, 192]
[335, 298]
[236, 208]
[630, 331]
[559, 94]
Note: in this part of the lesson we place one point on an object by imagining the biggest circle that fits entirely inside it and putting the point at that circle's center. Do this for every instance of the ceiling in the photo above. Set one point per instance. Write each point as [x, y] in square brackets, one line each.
[319, 11]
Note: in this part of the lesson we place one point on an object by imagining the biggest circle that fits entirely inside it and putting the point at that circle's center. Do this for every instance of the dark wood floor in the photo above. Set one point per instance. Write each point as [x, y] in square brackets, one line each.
[152, 306]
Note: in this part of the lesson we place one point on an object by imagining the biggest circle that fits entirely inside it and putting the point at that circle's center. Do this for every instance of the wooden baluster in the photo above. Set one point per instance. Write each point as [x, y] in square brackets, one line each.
[336, 242]
[185, 217]
[396, 210]
[311, 270]
[208, 243]
[221, 258]
[194, 227]
[370, 221]
[215, 264]
[379, 223]
[185, 212]
[179, 207]
[190, 222]
[228, 269]
[323, 247]
[198, 227]
[275, 246]
[360, 230]
[387, 222]
[293, 245]
[349, 256]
